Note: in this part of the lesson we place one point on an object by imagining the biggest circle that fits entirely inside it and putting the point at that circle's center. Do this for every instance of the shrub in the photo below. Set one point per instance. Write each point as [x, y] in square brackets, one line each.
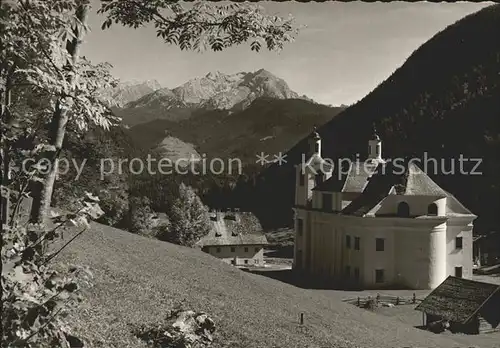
[35, 294]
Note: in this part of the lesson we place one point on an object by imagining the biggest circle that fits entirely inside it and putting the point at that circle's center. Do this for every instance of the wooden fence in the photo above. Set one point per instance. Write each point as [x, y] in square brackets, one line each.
[384, 300]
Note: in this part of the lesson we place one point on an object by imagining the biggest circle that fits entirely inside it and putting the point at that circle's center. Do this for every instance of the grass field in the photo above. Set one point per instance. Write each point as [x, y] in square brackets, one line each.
[137, 280]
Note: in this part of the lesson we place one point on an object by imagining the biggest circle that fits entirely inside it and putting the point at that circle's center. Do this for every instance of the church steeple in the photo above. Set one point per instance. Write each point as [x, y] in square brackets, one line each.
[314, 142]
[375, 146]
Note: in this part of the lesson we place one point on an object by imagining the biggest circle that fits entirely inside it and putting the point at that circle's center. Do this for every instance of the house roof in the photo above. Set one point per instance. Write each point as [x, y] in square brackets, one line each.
[234, 229]
[458, 299]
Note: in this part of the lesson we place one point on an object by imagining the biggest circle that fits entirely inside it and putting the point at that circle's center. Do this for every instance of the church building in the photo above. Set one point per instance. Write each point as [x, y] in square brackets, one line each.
[378, 223]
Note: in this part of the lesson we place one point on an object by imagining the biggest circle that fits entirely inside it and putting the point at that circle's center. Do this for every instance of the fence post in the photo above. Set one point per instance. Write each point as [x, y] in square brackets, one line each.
[414, 298]
[397, 301]
[359, 302]
[378, 298]
[301, 318]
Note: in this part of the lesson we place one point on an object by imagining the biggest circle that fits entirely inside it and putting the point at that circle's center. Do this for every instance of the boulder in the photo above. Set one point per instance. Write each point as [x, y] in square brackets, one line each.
[194, 327]
[182, 329]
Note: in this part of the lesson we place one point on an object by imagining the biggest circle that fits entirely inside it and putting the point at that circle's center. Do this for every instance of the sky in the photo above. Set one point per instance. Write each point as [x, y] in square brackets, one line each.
[345, 50]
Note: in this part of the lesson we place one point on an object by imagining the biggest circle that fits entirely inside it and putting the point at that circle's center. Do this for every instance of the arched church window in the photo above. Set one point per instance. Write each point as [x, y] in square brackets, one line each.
[432, 209]
[403, 209]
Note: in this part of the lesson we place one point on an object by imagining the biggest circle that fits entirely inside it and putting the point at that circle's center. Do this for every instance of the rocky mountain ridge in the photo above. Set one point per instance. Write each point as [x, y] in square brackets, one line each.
[214, 91]
[128, 91]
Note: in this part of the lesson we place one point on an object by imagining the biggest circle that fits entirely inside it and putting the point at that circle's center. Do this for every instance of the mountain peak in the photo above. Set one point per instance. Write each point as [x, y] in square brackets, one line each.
[214, 75]
[128, 91]
[217, 91]
[263, 71]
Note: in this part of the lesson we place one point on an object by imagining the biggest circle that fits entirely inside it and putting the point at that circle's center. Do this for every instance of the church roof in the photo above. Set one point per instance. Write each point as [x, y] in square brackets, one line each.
[336, 182]
[402, 178]
[376, 180]
[454, 207]
[348, 177]
[234, 229]
[376, 190]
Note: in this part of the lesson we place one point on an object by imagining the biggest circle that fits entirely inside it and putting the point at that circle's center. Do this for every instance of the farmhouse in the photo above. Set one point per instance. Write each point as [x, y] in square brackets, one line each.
[470, 307]
[377, 223]
[235, 238]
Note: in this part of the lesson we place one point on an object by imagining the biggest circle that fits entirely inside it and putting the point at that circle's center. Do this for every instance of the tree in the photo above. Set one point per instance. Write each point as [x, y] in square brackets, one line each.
[189, 219]
[203, 25]
[36, 86]
[139, 219]
[81, 160]
[47, 86]
[35, 293]
[71, 85]
[47, 91]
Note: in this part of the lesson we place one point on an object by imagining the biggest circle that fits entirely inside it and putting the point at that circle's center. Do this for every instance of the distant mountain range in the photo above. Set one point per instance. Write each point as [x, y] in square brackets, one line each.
[220, 115]
[214, 91]
[129, 91]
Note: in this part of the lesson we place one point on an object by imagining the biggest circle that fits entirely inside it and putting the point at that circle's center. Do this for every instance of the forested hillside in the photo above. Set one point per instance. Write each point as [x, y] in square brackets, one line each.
[268, 124]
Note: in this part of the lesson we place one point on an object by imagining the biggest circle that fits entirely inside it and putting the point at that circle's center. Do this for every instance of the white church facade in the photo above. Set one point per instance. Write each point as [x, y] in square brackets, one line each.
[378, 223]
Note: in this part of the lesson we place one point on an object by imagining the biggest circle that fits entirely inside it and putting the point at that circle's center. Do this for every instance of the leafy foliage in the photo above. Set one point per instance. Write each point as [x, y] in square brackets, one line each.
[35, 35]
[49, 90]
[189, 219]
[37, 83]
[85, 153]
[203, 25]
[140, 216]
[35, 293]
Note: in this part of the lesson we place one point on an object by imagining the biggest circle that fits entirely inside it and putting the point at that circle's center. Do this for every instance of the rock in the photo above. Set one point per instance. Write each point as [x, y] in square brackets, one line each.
[194, 327]
[183, 329]
[387, 305]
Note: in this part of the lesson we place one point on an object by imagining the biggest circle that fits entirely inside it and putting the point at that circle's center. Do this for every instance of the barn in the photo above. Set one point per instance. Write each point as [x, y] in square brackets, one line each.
[468, 306]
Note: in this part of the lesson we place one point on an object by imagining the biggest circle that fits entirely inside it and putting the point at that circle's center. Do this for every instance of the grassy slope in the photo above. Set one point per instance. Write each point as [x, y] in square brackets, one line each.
[137, 280]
